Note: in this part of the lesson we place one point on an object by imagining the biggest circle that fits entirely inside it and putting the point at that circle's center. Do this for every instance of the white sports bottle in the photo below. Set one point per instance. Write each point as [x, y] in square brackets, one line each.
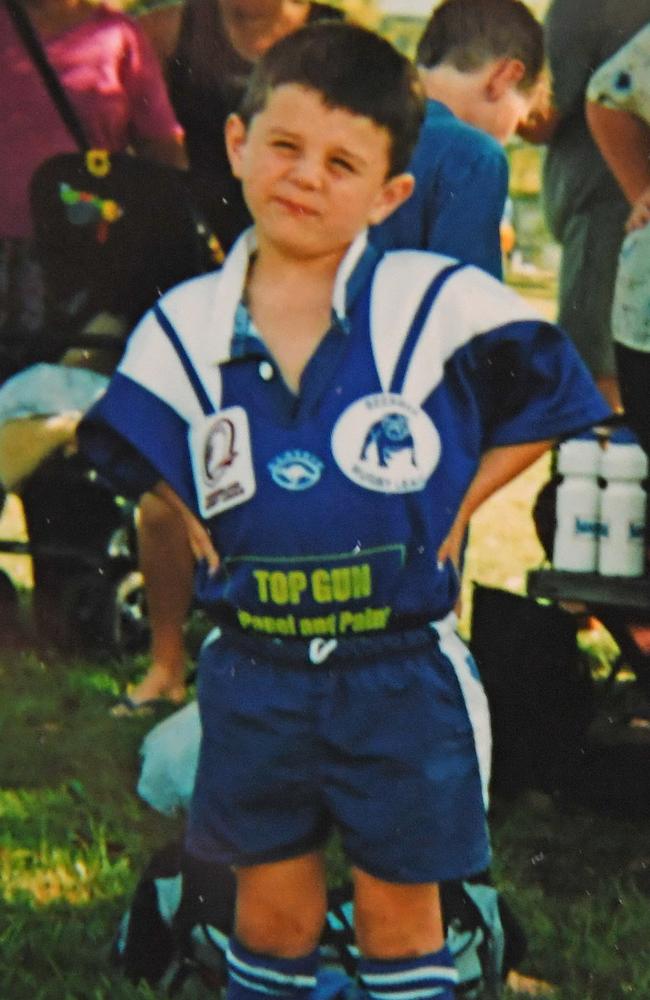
[621, 547]
[575, 546]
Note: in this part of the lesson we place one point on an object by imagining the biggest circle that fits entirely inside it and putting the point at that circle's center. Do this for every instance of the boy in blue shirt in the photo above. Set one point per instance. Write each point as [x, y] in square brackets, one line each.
[326, 423]
[479, 63]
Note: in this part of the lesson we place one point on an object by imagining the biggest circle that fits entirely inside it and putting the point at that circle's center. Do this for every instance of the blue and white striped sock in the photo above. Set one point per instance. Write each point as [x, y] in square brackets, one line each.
[421, 978]
[262, 977]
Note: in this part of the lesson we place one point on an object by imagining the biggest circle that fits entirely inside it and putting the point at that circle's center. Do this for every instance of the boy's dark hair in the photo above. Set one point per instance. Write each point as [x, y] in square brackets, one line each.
[351, 68]
[468, 33]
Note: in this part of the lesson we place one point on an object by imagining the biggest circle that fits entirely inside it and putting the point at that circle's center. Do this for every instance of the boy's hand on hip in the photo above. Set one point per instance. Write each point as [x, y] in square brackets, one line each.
[452, 546]
[200, 542]
[197, 534]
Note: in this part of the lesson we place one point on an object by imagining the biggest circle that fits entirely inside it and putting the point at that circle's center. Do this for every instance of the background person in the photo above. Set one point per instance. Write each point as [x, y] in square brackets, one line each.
[479, 63]
[618, 113]
[112, 79]
[208, 49]
[584, 205]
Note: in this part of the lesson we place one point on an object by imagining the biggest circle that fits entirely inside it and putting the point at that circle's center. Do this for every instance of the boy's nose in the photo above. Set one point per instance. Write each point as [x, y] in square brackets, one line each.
[308, 172]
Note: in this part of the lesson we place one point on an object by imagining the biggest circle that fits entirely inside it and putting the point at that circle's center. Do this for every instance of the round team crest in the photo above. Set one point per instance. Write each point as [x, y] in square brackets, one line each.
[385, 443]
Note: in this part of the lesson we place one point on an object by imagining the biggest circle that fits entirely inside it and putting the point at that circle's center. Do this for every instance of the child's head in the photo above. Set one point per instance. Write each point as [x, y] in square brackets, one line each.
[497, 42]
[323, 137]
[351, 69]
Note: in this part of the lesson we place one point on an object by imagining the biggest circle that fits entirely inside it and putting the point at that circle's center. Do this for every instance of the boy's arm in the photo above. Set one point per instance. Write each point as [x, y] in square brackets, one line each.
[497, 467]
[198, 537]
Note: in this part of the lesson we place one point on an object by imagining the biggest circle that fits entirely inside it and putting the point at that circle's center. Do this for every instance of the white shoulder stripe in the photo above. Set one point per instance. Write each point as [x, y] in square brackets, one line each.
[202, 311]
[469, 304]
[151, 361]
[400, 281]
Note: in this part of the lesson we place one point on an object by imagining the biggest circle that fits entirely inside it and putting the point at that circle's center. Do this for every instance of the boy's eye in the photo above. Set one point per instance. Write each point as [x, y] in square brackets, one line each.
[340, 163]
[283, 144]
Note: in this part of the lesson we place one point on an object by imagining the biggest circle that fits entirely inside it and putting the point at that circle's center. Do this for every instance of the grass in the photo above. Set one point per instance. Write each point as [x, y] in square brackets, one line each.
[74, 837]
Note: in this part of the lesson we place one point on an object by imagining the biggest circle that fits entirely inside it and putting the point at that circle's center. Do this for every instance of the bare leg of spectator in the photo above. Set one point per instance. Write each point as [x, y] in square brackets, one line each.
[167, 565]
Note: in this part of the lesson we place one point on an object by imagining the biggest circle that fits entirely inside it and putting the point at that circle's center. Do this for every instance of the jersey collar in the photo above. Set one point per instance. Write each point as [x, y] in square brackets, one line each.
[232, 279]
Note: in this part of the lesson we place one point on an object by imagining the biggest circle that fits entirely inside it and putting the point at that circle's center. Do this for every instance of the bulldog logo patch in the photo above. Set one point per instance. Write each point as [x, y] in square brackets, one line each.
[385, 443]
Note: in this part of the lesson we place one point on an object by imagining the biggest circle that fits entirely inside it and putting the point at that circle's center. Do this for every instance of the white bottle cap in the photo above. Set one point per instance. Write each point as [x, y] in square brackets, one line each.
[579, 457]
[623, 461]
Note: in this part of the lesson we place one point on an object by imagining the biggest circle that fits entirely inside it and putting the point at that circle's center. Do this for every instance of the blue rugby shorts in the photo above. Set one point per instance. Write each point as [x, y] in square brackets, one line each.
[384, 737]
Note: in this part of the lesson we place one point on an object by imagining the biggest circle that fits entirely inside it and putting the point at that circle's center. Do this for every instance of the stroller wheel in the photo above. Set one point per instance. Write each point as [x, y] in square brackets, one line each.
[131, 622]
[103, 615]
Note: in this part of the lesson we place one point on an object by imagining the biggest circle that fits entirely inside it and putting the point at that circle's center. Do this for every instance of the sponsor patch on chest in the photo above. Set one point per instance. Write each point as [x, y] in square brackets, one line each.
[295, 469]
[220, 447]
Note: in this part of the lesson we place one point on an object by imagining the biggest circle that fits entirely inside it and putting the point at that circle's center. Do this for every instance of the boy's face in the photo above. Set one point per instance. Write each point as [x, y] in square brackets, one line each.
[501, 116]
[499, 104]
[313, 176]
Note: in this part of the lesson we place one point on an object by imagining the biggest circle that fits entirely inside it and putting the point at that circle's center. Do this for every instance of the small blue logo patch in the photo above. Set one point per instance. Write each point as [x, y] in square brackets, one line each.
[295, 470]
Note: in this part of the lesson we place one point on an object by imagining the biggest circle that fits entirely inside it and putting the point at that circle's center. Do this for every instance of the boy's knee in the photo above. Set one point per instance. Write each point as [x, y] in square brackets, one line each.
[281, 907]
[270, 930]
[395, 921]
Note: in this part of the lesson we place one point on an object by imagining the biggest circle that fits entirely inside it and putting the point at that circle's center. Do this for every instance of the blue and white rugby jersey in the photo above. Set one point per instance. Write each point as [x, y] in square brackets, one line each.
[328, 509]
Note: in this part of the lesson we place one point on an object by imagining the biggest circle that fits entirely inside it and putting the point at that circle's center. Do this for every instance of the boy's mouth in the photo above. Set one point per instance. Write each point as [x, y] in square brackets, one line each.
[295, 207]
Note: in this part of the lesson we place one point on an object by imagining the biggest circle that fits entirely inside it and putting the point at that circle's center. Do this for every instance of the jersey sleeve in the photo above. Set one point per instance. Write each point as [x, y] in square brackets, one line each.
[137, 433]
[532, 385]
[513, 376]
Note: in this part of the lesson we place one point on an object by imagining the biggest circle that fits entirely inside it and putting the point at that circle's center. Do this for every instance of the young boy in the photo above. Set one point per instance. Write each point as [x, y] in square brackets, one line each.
[479, 63]
[328, 424]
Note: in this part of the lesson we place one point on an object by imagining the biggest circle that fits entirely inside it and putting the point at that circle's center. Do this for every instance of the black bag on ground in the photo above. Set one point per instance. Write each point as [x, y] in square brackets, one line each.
[539, 693]
[181, 917]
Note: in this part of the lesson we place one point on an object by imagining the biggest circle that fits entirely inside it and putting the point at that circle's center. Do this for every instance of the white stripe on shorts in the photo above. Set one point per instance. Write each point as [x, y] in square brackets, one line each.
[476, 702]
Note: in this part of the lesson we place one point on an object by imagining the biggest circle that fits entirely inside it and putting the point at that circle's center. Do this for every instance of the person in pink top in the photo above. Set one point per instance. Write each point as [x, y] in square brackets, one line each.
[114, 82]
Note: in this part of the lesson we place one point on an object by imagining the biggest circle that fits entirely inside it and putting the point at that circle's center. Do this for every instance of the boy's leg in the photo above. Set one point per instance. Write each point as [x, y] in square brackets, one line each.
[394, 920]
[400, 935]
[281, 906]
[279, 917]
[167, 566]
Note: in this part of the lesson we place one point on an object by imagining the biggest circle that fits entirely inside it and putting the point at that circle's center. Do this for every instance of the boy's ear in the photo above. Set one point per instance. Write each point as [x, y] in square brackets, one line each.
[235, 135]
[395, 191]
[504, 74]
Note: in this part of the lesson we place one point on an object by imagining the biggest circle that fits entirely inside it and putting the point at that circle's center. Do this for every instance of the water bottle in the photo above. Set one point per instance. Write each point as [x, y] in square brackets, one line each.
[621, 547]
[575, 546]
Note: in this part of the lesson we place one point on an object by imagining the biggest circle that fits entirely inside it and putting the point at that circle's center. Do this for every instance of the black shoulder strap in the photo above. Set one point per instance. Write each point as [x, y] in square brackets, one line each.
[32, 43]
